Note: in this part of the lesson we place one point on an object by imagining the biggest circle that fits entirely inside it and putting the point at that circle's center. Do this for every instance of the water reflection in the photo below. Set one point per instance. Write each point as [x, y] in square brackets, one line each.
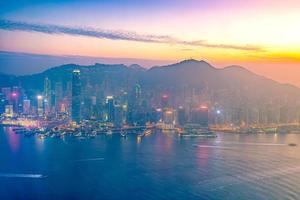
[13, 139]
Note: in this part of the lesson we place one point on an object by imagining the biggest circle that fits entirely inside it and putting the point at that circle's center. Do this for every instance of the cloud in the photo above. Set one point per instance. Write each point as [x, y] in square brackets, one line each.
[113, 35]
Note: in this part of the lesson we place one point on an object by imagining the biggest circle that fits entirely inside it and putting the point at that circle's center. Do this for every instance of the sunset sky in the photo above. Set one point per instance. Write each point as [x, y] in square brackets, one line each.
[262, 35]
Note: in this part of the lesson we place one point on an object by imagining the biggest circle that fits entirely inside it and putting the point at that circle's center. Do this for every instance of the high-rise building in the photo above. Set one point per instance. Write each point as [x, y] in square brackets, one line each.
[6, 91]
[76, 96]
[40, 105]
[15, 97]
[3, 102]
[119, 116]
[138, 91]
[26, 106]
[9, 111]
[164, 101]
[181, 116]
[200, 116]
[58, 95]
[169, 119]
[47, 95]
[110, 108]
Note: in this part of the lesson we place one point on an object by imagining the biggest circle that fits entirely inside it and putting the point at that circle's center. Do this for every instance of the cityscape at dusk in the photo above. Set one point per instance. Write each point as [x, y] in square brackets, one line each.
[149, 99]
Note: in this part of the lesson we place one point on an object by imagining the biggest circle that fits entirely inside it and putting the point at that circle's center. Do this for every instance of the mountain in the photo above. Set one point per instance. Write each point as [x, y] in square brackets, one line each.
[237, 82]
[193, 73]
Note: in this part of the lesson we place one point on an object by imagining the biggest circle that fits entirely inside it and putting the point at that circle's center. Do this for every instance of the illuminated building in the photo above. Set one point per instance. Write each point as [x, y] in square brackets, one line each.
[15, 99]
[164, 101]
[9, 111]
[110, 108]
[200, 116]
[138, 91]
[118, 116]
[181, 116]
[3, 102]
[6, 91]
[76, 92]
[58, 95]
[40, 106]
[26, 106]
[47, 95]
[169, 118]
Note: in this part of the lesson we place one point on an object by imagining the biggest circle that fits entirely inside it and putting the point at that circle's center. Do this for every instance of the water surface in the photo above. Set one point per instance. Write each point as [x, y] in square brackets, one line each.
[159, 166]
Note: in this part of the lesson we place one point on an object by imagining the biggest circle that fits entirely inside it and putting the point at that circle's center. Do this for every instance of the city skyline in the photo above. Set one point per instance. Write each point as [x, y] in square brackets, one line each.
[255, 35]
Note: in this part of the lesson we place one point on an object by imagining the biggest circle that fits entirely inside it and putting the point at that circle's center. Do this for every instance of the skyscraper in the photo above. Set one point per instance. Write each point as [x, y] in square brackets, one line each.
[58, 95]
[26, 106]
[200, 116]
[110, 107]
[40, 106]
[47, 95]
[76, 91]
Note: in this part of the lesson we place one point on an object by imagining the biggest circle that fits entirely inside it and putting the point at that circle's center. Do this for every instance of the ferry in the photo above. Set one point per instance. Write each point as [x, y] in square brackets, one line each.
[195, 130]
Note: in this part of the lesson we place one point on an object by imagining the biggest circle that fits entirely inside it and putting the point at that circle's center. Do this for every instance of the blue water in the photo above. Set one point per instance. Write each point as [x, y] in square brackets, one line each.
[159, 166]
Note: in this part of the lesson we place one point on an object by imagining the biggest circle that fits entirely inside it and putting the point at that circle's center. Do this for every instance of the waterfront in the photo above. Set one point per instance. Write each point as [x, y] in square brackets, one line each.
[157, 166]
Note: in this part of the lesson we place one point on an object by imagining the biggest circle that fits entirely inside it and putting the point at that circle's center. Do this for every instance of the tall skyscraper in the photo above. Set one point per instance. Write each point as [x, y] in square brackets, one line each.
[76, 92]
[47, 95]
[164, 101]
[58, 95]
[40, 106]
[181, 117]
[110, 107]
[200, 116]
[26, 106]
[9, 111]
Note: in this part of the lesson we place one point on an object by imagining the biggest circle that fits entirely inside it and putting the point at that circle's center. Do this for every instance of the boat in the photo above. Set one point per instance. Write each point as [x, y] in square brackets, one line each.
[123, 133]
[195, 130]
[147, 132]
[41, 136]
[109, 132]
[292, 144]
[29, 133]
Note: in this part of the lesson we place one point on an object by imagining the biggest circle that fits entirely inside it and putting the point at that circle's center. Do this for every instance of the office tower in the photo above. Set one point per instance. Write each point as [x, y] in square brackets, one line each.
[118, 116]
[40, 105]
[26, 106]
[164, 101]
[3, 102]
[199, 116]
[9, 111]
[169, 116]
[181, 116]
[138, 91]
[58, 95]
[76, 91]
[6, 91]
[110, 108]
[15, 96]
[47, 95]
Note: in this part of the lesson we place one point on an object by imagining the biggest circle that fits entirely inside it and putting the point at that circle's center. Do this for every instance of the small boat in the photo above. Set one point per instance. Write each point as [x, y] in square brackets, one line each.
[292, 144]
[29, 133]
[123, 133]
[41, 136]
[109, 132]
[147, 132]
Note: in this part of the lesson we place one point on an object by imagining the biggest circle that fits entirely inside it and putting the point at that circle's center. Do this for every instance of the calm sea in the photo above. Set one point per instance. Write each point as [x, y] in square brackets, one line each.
[159, 166]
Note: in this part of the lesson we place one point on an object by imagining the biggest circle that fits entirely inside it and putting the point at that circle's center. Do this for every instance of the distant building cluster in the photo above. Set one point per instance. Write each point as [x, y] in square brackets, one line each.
[132, 105]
